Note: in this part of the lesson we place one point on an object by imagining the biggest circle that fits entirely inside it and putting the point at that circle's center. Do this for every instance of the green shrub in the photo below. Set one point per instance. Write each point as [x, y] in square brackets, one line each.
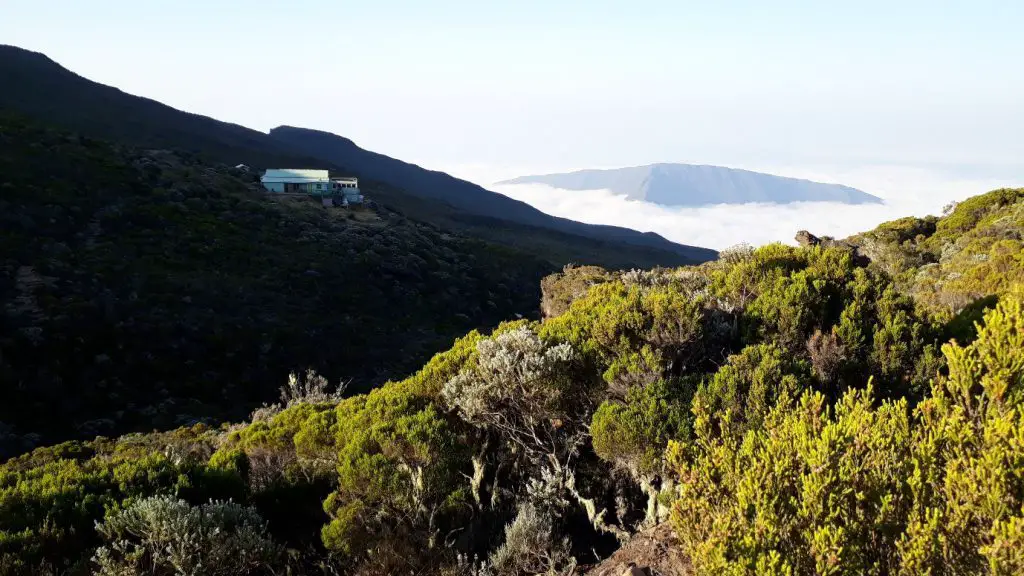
[624, 332]
[860, 489]
[632, 434]
[560, 290]
[50, 498]
[967, 214]
[742, 392]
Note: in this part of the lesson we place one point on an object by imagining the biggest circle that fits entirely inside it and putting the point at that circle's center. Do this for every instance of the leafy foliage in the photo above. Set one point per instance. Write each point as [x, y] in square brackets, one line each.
[559, 290]
[749, 385]
[860, 489]
[50, 499]
[948, 263]
[633, 433]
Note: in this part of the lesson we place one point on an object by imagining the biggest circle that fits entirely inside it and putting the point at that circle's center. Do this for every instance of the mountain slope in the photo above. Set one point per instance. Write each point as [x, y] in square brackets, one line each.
[698, 185]
[37, 87]
[464, 195]
[144, 289]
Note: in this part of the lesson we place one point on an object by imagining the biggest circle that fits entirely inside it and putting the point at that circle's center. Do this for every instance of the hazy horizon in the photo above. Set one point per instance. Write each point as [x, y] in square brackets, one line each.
[905, 190]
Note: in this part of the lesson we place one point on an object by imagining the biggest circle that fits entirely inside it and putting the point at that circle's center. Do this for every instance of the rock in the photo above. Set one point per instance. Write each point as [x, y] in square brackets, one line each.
[805, 239]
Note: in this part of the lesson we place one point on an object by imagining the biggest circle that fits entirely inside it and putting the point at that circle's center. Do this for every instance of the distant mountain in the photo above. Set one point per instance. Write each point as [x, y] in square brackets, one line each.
[38, 87]
[698, 185]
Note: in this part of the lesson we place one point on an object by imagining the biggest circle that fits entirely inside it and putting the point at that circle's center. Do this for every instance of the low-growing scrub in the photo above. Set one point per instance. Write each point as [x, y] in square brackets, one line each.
[148, 289]
[792, 410]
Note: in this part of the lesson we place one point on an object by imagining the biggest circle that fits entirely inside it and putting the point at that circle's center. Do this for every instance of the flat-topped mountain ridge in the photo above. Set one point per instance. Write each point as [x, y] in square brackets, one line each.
[700, 185]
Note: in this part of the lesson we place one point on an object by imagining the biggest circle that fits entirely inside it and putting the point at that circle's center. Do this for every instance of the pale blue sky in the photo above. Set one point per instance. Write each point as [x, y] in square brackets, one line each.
[573, 84]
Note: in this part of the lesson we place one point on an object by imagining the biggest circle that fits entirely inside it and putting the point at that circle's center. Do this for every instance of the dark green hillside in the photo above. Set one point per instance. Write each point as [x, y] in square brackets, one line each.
[41, 89]
[145, 289]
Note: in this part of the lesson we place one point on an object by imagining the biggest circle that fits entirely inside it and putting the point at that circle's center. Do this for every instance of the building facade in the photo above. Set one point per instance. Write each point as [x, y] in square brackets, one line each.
[348, 189]
[312, 182]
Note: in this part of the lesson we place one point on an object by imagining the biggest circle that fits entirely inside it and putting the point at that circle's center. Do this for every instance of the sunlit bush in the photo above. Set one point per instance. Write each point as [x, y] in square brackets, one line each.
[165, 536]
[865, 489]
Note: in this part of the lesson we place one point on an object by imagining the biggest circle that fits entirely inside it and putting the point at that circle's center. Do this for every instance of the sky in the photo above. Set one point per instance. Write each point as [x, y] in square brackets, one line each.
[492, 88]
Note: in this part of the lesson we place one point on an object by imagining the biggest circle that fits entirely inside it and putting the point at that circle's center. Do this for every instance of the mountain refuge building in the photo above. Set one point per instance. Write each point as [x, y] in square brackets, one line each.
[312, 183]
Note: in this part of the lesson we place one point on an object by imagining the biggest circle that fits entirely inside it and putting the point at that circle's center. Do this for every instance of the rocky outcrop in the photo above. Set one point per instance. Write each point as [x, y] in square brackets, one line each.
[807, 240]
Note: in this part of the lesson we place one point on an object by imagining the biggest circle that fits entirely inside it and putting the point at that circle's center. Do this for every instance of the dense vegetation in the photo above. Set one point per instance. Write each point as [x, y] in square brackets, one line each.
[148, 289]
[949, 263]
[788, 410]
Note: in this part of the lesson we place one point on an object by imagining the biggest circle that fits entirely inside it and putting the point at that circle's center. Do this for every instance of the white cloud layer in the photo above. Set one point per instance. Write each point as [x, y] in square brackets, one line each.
[907, 191]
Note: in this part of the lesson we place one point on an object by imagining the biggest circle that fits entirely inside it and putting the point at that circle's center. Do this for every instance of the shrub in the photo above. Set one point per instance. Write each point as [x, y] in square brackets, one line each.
[612, 324]
[967, 214]
[560, 290]
[968, 476]
[860, 489]
[828, 355]
[632, 434]
[531, 546]
[748, 386]
[525, 392]
[162, 535]
[51, 497]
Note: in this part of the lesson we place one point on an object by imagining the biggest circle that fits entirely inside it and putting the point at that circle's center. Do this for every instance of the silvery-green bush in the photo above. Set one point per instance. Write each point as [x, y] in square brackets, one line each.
[531, 546]
[167, 536]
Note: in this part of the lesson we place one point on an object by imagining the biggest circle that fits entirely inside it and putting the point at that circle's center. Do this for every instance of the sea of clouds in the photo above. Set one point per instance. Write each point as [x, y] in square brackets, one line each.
[906, 191]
